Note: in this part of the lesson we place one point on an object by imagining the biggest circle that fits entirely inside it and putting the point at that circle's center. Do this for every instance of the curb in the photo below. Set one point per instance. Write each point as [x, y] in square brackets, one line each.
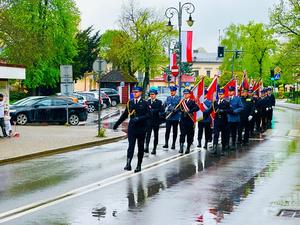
[50, 152]
[287, 106]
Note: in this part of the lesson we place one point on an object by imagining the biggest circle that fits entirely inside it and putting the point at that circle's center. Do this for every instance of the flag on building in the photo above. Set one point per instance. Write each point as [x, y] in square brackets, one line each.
[186, 46]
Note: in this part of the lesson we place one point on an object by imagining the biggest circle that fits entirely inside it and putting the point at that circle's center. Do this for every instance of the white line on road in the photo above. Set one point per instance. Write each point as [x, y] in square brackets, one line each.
[36, 206]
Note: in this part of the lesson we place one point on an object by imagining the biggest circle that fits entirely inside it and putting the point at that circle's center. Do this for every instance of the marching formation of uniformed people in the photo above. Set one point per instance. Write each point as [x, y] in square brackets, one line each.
[234, 118]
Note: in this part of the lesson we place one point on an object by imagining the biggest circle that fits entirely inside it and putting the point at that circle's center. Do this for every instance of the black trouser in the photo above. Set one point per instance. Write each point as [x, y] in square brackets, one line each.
[2, 125]
[223, 128]
[257, 118]
[155, 129]
[244, 125]
[252, 125]
[233, 127]
[134, 135]
[207, 131]
[269, 118]
[264, 120]
[187, 129]
[174, 125]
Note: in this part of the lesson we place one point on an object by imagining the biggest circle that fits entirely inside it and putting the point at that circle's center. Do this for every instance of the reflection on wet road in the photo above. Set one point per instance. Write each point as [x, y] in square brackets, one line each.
[196, 189]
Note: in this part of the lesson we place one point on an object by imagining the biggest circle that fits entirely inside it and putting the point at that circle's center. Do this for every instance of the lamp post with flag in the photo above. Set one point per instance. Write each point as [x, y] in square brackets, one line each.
[169, 13]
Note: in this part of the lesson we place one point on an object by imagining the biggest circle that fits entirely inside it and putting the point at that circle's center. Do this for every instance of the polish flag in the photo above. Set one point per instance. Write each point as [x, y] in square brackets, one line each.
[212, 89]
[231, 83]
[186, 46]
[198, 97]
[173, 60]
[244, 84]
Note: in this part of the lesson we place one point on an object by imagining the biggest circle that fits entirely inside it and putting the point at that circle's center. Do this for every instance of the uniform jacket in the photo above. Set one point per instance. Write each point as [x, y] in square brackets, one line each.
[141, 111]
[170, 104]
[186, 116]
[248, 108]
[236, 107]
[207, 112]
[156, 109]
[222, 108]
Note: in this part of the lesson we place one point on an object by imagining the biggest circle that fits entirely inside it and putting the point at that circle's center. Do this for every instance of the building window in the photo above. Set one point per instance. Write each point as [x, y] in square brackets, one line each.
[196, 73]
[208, 73]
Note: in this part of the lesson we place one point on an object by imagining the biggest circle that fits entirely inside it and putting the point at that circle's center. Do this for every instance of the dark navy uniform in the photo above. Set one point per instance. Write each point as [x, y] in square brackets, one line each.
[246, 116]
[172, 119]
[205, 124]
[222, 108]
[139, 112]
[236, 107]
[264, 111]
[187, 124]
[270, 105]
[156, 110]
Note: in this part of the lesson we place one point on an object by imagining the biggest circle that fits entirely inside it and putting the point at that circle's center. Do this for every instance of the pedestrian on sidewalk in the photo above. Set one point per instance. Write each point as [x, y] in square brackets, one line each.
[172, 117]
[139, 112]
[2, 125]
[156, 109]
[7, 123]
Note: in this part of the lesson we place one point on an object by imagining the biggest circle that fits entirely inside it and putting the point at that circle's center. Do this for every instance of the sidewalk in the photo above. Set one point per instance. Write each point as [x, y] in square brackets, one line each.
[283, 103]
[44, 140]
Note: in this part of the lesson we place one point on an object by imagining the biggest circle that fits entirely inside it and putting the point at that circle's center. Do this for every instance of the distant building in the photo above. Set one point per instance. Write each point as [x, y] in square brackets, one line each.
[206, 64]
[9, 72]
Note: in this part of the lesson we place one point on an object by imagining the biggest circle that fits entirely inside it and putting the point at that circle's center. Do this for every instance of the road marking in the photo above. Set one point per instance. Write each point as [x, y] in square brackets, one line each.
[36, 206]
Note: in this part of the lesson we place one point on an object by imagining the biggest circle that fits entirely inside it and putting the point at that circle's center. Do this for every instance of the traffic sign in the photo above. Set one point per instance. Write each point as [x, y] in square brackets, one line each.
[174, 70]
[66, 74]
[277, 76]
[99, 65]
[277, 70]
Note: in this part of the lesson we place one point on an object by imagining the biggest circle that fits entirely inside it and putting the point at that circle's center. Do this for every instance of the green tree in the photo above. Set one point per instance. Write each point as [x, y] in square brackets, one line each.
[41, 35]
[87, 52]
[258, 45]
[148, 32]
[285, 20]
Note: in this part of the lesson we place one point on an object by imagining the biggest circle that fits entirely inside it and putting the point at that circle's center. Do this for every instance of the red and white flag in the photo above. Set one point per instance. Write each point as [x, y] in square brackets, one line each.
[186, 46]
[198, 97]
[173, 60]
[212, 89]
[231, 83]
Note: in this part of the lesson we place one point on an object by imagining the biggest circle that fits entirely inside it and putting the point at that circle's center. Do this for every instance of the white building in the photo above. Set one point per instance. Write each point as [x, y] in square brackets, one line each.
[9, 72]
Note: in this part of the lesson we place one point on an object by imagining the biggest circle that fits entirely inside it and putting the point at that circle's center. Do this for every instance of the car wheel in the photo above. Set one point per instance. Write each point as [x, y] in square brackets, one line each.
[104, 106]
[91, 108]
[22, 119]
[114, 103]
[74, 120]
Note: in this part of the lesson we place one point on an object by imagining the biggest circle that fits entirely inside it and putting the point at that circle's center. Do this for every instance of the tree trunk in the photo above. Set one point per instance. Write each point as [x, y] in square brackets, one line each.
[146, 79]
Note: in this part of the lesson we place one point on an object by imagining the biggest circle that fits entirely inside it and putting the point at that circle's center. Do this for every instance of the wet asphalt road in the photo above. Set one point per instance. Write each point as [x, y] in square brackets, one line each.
[179, 190]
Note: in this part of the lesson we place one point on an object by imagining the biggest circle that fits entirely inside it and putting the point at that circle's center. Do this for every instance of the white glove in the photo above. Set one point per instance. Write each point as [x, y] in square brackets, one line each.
[267, 109]
[250, 118]
[255, 111]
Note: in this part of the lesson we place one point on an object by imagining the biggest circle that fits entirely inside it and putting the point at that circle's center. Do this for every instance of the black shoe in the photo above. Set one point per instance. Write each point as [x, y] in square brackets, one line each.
[165, 146]
[239, 143]
[215, 150]
[187, 151]
[205, 145]
[245, 143]
[173, 146]
[181, 148]
[146, 150]
[199, 144]
[232, 147]
[138, 169]
[153, 151]
[128, 166]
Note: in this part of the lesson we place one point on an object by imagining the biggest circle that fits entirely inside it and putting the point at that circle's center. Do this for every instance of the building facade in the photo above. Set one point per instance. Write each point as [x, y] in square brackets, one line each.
[206, 64]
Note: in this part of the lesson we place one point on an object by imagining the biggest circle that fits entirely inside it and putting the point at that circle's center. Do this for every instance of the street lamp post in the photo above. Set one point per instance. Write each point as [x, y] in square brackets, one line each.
[169, 13]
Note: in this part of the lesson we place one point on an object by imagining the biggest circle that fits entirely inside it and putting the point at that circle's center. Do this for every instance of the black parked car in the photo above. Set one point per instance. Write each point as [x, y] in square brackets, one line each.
[48, 109]
[105, 100]
[113, 95]
[92, 102]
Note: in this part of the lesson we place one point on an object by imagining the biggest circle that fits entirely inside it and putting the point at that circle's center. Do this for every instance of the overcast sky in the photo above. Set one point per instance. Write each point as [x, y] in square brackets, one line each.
[209, 16]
